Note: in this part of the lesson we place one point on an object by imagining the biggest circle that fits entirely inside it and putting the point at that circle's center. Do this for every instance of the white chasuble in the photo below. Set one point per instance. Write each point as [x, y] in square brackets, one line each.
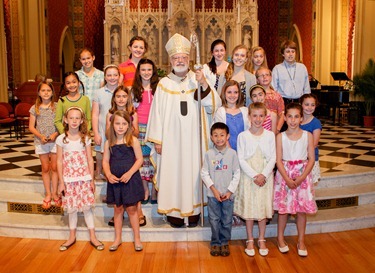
[173, 123]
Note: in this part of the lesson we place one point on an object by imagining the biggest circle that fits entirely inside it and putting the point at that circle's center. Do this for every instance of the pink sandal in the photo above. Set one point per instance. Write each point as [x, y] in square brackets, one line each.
[46, 204]
[58, 202]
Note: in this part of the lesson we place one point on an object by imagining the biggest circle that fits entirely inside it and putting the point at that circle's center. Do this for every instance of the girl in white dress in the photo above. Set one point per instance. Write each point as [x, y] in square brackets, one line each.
[294, 192]
[75, 167]
[257, 156]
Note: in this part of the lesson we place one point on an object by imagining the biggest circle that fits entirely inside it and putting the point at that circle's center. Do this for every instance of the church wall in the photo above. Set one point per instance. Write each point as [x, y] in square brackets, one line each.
[268, 30]
[302, 17]
[58, 18]
[365, 34]
[94, 30]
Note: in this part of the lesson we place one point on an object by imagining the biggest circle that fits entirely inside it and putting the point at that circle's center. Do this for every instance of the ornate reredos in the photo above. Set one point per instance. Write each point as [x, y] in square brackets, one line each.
[235, 25]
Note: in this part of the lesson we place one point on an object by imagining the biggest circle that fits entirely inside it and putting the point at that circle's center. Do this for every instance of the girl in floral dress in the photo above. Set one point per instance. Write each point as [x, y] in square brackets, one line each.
[293, 188]
[75, 166]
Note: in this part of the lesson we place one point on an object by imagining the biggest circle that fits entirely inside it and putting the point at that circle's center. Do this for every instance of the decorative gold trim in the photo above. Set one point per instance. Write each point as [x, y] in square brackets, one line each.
[178, 210]
[175, 92]
[154, 141]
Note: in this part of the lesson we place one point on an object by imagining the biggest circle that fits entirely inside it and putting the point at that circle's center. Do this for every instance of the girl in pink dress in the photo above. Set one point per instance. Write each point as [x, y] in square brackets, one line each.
[143, 90]
[258, 94]
[293, 189]
[75, 166]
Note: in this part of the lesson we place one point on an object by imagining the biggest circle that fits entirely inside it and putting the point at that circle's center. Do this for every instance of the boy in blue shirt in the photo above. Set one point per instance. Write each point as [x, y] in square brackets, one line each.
[221, 174]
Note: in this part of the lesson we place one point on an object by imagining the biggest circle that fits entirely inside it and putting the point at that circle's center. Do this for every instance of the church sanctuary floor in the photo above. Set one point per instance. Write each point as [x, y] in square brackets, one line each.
[342, 150]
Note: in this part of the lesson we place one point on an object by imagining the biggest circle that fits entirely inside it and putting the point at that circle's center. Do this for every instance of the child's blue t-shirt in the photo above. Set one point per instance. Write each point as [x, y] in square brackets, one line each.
[311, 127]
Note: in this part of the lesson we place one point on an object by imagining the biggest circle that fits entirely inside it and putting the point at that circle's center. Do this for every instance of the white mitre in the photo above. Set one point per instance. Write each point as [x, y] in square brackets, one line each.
[178, 44]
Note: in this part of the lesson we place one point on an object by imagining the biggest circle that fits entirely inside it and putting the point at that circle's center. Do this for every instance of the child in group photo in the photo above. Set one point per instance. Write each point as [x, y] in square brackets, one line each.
[232, 112]
[122, 100]
[101, 104]
[41, 125]
[258, 94]
[138, 48]
[220, 173]
[71, 84]
[313, 125]
[257, 156]
[236, 71]
[215, 69]
[75, 166]
[121, 163]
[293, 188]
[143, 90]
[273, 101]
[290, 78]
[257, 59]
[92, 78]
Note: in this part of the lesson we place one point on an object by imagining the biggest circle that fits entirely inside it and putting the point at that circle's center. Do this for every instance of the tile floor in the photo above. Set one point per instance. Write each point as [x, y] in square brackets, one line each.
[342, 150]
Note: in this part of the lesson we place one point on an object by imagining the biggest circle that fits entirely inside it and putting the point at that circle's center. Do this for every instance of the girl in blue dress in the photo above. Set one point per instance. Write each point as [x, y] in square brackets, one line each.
[121, 162]
[232, 113]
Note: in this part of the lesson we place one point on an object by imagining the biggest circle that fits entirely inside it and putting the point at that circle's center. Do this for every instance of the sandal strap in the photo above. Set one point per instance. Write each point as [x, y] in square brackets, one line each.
[261, 240]
[250, 241]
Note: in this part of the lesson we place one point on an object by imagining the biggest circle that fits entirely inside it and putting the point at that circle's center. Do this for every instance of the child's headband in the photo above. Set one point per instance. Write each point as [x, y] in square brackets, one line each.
[75, 108]
[255, 87]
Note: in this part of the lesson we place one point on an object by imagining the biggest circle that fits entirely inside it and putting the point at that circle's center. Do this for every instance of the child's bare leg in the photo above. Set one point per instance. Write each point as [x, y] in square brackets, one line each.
[44, 160]
[118, 219]
[145, 187]
[249, 232]
[99, 161]
[281, 225]
[262, 233]
[154, 193]
[134, 222]
[301, 228]
[54, 176]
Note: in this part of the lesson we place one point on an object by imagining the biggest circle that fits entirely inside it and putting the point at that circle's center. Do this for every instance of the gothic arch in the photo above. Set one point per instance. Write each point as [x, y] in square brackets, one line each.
[296, 37]
[66, 52]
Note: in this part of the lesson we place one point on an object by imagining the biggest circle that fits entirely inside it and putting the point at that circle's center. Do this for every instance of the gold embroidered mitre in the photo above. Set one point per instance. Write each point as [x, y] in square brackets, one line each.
[178, 44]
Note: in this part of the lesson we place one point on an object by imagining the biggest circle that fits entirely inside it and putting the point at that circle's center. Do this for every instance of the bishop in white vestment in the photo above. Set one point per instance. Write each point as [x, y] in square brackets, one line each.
[173, 127]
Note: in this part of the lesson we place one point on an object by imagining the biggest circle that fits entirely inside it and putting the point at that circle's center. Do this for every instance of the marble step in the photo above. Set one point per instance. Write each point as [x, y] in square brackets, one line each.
[329, 180]
[101, 209]
[365, 193]
[332, 180]
[157, 230]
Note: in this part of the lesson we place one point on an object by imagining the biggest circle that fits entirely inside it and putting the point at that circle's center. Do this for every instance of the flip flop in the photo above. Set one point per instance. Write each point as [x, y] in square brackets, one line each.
[46, 204]
[58, 202]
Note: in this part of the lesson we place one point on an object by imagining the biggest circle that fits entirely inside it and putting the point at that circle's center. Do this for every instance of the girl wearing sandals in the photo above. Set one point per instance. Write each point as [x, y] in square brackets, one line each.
[41, 124]
[75, 167]
[257, 156]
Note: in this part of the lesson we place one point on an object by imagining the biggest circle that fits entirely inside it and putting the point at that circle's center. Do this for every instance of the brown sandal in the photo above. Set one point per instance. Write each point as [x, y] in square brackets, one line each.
[142, 221]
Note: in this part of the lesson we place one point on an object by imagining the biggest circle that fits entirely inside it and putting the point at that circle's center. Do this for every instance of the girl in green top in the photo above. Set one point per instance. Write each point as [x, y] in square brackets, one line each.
[71, 84]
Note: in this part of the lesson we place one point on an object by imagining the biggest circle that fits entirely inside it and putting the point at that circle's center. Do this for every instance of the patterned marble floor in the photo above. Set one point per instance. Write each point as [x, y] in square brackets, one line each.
[342, 150]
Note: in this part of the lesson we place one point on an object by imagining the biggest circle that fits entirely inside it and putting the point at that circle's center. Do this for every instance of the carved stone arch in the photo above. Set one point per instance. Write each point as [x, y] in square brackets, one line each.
[115, 39]
[213, 30]
[247, 33]
[296, 37]
[182, 23]
[149, 29]
[66, 52]
[228, 39]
